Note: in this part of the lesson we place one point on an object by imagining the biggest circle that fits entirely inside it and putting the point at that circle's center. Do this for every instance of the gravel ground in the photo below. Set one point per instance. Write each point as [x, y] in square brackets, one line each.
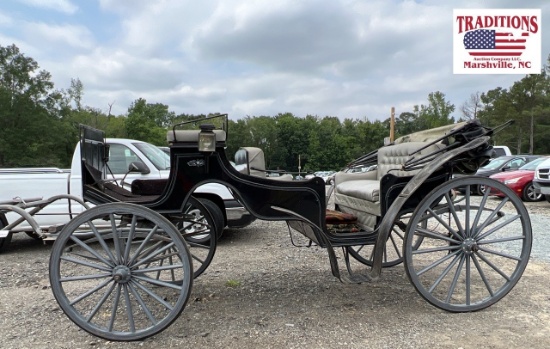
[286, 297]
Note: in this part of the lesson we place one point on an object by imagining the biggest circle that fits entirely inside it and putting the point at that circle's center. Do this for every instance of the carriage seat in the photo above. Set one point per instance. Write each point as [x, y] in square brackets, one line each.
[191, 136]
[359, 193]
[251, 161]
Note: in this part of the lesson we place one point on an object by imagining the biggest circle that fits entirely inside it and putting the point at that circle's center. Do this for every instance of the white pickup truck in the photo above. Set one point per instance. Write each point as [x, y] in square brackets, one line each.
[541, 181]
[28, 183]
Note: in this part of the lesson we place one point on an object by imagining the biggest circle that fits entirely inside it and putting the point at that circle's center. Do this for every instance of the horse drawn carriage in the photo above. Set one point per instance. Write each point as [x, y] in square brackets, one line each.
[124, 269]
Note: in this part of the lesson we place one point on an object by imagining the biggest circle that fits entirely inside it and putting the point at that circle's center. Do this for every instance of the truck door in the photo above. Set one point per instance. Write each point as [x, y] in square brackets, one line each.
[120, 157]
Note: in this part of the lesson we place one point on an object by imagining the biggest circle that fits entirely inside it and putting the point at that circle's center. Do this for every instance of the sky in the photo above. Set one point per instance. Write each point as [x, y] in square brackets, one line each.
[347, 58]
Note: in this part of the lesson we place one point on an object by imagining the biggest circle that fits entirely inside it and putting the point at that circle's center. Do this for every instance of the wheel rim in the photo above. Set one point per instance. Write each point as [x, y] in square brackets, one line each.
[531, 194]
[114, 277]
[474, 249]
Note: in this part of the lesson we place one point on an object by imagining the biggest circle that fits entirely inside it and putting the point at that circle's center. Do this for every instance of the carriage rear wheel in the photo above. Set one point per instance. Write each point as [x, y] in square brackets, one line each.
[111, 274]
[474, 249]
[198, 228]
[393, 249]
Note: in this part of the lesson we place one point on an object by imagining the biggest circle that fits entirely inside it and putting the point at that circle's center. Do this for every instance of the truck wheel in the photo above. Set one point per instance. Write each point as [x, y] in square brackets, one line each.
[4, 242]
[547, 197]
[217, 215]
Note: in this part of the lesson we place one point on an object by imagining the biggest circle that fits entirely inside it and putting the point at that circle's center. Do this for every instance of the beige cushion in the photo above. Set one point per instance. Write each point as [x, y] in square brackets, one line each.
[362, 189]
[191, 136]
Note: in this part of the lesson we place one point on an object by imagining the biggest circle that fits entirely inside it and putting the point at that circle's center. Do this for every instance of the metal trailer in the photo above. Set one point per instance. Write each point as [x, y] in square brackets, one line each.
[123, 270]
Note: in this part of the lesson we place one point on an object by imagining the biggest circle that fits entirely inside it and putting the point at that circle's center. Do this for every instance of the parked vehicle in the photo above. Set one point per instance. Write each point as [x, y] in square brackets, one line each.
[501, 150]
[541, 181]
[520, 181]
[326, 175]
[501, 164]
[152, 164]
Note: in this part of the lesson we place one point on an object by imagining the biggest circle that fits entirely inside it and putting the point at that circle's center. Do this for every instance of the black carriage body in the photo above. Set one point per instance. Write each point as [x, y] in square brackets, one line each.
[301, 203]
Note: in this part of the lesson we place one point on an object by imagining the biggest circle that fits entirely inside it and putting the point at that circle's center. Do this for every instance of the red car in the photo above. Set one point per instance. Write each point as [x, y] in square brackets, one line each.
[520, 181]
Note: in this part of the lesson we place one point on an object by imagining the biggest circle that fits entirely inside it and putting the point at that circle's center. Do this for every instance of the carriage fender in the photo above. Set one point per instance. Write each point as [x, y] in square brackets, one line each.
[409, 189]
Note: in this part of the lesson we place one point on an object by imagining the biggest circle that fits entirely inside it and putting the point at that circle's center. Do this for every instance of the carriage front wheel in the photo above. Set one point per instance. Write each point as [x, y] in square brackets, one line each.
[112, 271]
[474, 249]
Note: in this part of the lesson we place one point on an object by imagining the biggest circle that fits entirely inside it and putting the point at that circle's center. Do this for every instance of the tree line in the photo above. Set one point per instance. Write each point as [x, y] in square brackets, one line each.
[39, 123]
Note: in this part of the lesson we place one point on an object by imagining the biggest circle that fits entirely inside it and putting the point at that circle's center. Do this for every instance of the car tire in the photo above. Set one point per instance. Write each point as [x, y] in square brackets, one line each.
[4, 242]
[528, 193]
[480, 189]
[217, 215]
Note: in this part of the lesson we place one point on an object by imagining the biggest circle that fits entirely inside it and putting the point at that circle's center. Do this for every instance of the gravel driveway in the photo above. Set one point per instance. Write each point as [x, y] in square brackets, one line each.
[261, 292]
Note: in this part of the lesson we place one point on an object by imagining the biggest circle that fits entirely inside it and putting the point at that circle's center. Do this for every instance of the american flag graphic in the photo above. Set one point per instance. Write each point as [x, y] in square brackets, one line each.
[487, 42]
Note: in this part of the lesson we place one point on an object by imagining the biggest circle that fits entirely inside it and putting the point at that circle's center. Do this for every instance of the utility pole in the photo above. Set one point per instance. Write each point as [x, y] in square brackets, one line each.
[392, 124]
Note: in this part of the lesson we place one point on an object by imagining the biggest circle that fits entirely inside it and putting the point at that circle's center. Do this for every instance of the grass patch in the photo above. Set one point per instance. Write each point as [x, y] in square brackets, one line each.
[233, 283]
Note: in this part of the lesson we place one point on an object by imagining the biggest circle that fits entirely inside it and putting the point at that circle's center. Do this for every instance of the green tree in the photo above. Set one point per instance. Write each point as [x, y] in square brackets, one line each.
[32, 133]
[148, 122]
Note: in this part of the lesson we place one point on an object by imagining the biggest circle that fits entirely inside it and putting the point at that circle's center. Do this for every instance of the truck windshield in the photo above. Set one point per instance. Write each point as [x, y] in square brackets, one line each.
[160, 159]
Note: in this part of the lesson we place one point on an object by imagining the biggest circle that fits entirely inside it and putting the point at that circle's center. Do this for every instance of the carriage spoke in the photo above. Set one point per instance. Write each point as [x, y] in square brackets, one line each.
[489, 220]
[498, 227]
[482, 275]
[479, 212]
[142, 304]
[438, 262]
[447, 226]
[116, 240]
[501, 254]
[114, 307]
[91, 251]
[444, 273]
[99, 303]
[455, 280]
[130, 238]
[129, 311]
[101, 241]
[144, 243]
[90, 292]
[436, 235]
[450, 204]
[152, 255]
[153, 295]
[494, 267]
[85, 277]
[85, 263]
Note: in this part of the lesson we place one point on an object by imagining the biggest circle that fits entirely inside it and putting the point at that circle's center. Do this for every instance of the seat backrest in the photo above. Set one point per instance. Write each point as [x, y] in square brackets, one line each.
[251, 161]
[391, 158]
[93, 152]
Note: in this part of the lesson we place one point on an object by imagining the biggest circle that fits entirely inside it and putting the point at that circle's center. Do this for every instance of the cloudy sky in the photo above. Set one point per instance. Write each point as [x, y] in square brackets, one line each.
[345, 58]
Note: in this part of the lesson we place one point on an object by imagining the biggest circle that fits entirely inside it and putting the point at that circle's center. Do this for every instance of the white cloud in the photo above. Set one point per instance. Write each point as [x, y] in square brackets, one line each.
[65, 6]
[5, 21]
[347, 58]
[74, 36]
